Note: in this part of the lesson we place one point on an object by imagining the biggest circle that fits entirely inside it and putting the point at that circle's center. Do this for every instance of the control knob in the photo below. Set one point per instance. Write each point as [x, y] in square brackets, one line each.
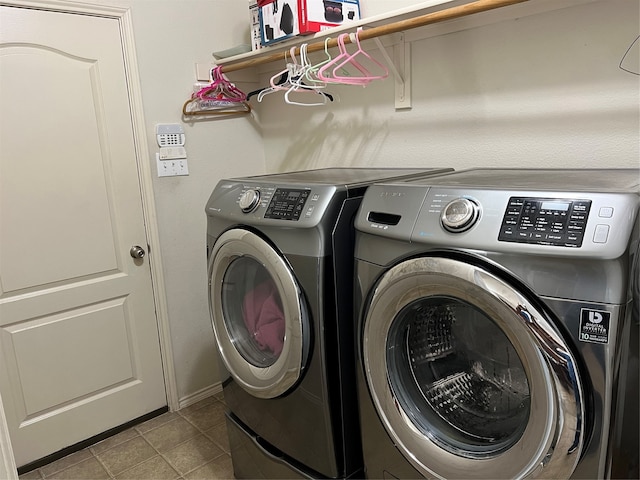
[460, 215]
[249, 200]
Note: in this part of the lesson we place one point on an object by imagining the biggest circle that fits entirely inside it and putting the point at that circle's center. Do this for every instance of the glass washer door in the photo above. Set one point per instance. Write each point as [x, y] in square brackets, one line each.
[258, 314]
[475, 382]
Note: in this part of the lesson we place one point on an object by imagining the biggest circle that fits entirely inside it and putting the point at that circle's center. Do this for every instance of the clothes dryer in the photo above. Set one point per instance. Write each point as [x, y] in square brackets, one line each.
[280, 250]
[496, 309]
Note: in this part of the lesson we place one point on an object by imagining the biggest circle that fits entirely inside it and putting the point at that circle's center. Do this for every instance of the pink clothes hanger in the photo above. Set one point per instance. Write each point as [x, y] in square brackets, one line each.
[221, 89]
[351, 60]
[325, 73]
[220, 97]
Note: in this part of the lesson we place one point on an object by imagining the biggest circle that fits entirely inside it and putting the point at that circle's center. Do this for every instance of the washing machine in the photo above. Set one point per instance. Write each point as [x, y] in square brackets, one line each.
[280, 250]
[497, 325]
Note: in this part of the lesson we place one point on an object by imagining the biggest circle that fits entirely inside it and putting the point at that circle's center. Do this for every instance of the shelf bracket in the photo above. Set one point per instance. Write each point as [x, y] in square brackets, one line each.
[402, 61]
[400, 67]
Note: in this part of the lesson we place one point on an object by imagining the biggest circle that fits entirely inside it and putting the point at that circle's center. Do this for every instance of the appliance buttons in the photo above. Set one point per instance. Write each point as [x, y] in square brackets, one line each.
[601, 234]
[606, 212]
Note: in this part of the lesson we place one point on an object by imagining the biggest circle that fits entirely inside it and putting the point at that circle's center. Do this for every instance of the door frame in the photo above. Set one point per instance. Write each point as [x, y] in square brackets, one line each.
[123, 16]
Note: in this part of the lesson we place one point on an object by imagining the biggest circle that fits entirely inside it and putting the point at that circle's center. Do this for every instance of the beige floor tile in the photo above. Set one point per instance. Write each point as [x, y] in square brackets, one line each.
[156, 422]
[171, 434]
[219, 436]
[192, 443]
[32, 475]
[111, 442]
[198, 405]
[219, 469]
[192, 454]
[219, 396]
[87, 469]
[206, 417]
[66, 462]
[126, 455]
[155, 468]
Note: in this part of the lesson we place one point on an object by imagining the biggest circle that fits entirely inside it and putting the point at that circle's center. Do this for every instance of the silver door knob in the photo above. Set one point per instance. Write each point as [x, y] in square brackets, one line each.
[137, 252]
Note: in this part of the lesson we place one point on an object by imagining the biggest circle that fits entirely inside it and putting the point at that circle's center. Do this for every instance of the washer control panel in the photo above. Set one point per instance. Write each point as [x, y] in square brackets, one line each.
[576, 224]
[287, 203]
[545, 221]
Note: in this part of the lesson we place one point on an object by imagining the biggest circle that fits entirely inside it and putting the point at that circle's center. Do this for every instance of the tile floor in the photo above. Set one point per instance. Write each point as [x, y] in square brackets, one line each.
[188, 444]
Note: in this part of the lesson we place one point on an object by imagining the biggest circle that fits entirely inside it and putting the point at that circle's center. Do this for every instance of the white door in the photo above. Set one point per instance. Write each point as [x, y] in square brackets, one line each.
[79, 344]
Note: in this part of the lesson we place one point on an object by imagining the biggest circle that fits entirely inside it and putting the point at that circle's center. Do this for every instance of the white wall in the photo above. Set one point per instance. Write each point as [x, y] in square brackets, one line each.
[171, 37]
[543, 91]
[370, 8]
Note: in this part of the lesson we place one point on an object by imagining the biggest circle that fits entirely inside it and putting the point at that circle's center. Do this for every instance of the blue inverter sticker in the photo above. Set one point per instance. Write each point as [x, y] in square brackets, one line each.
[594, 325]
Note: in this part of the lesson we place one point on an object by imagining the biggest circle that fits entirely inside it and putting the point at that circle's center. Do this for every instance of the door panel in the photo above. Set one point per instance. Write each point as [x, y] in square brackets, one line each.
[79, 341]
[27, 260]
[103, 358]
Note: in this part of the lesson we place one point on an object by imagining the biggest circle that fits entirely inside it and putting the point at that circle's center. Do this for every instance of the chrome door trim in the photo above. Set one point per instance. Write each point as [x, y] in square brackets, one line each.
[552, 440]
[276, 379]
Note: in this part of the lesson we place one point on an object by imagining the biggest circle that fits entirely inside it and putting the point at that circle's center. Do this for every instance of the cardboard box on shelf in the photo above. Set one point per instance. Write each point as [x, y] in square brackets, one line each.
[254, 19]
[282, 19]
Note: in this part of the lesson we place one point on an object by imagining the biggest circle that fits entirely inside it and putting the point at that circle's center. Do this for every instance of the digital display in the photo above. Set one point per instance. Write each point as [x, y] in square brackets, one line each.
[561, 207]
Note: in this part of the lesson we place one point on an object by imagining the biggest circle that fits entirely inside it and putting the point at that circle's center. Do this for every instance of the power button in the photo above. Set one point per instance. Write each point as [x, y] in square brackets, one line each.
[605, 212]
[601, 234]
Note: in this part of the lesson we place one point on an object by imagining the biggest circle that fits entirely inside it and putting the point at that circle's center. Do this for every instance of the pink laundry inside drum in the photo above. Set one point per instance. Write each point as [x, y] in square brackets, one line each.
[264, 318]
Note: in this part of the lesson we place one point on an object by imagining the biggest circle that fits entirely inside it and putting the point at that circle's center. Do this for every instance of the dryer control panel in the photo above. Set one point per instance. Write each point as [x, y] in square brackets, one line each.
[287, 203]
[264, 204]
[545, 221]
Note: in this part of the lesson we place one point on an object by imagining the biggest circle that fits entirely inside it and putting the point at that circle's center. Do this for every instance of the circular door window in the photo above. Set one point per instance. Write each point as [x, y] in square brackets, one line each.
[458, 376]
[258, 314]
[474, 380]
[252, 311]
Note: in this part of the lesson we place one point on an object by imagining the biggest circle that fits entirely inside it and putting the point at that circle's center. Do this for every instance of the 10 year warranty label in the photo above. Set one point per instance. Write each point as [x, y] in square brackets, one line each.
[594, 325]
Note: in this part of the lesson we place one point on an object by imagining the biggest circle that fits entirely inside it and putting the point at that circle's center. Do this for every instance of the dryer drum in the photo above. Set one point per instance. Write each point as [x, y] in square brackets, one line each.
[253, 312]
[258, 313]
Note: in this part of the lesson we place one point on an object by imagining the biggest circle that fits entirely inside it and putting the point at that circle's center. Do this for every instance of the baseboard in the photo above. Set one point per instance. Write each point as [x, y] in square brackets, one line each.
[195, 397]
[88, 442]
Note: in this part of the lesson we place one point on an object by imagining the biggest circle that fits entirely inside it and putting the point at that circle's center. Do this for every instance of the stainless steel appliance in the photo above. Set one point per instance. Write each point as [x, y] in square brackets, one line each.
[280, 251]
[495, 317]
